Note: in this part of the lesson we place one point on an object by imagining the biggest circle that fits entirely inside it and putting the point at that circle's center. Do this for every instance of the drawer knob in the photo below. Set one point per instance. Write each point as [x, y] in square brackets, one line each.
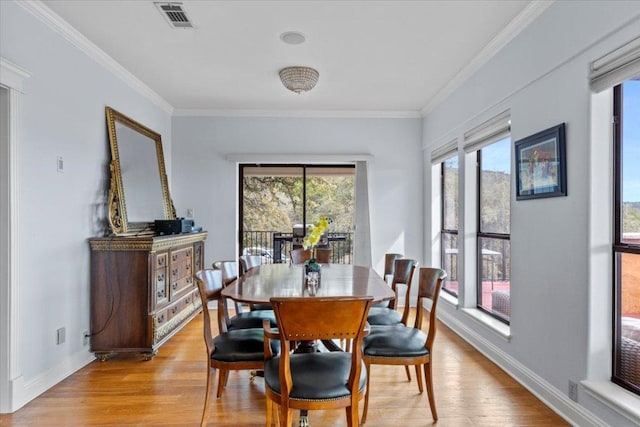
[175, 272]
[189, 280]
[174, 286]
[161, 293]
[160, 277]
[174, 310]
[174, 257]
[161, 261]
[161, 318]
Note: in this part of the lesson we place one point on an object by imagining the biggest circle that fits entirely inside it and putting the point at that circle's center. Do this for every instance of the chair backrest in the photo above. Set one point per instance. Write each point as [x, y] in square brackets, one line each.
[229, 271]
[247, 262]
[210, 285]
[299, 256]
[389, 263]
[429, 285]
[301, 319]
[402, 274]
[323, 255]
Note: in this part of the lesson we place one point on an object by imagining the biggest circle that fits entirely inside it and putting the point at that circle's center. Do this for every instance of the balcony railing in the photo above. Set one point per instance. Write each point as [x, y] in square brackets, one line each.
[274, 246]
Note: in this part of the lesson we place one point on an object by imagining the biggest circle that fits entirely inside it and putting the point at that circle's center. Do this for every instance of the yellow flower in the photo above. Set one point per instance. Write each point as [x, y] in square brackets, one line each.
[315, 232]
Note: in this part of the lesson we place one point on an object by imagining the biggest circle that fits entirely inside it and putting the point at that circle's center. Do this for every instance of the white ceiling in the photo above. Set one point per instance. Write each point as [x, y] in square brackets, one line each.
[397, 58]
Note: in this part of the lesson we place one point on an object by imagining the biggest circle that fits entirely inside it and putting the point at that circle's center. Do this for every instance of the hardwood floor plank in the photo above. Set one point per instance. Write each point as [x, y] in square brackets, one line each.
[168, 390]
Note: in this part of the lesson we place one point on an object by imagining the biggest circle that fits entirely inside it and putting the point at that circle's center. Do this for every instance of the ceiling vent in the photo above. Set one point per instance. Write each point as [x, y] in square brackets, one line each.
[174, 14]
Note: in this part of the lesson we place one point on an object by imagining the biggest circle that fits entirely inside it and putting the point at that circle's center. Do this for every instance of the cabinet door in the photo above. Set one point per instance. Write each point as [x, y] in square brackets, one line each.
[161, 280]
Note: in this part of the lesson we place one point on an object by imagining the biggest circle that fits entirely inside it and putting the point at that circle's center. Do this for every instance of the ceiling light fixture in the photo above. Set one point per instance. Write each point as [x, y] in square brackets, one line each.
[299, 79]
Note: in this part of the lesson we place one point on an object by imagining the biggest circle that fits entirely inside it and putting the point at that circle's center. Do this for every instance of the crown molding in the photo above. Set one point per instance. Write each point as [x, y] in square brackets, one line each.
[352, 114]
[12, 75]
[515, 27]
[73, 36]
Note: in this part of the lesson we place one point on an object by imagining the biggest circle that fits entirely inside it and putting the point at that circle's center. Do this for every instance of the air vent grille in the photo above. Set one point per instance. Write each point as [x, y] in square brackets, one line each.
[174, 14]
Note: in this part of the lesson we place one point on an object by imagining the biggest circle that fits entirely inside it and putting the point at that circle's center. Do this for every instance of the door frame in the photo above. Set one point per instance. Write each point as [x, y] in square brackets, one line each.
[11, 80]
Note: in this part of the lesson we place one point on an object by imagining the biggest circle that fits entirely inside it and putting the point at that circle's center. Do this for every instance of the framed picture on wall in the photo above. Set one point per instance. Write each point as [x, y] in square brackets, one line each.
[541, 164]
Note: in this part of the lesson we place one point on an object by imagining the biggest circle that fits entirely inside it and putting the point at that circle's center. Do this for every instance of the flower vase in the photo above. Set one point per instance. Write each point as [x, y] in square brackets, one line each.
[312, 271]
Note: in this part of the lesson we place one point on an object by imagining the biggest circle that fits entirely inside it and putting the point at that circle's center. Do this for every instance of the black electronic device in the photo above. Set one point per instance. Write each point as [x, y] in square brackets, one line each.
[174, 226]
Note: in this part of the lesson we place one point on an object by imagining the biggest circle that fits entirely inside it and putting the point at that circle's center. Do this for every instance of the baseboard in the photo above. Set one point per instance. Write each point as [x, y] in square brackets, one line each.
[25, 391]
[571, 411]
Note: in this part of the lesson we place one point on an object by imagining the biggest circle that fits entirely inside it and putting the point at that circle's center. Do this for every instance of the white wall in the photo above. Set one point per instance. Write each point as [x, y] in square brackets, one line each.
[542, 77]
[206, 181]
[62, 114]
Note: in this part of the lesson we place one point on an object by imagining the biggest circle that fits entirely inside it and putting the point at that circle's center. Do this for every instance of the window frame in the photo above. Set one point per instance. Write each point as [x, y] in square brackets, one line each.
[444, 231]
[618, 247]
[487, 235]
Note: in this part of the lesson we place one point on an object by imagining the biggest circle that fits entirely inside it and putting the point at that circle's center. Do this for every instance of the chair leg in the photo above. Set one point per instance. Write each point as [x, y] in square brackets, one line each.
[222, 382]
[432, 400]
[406, 369]
[419, 376]
[205, 409]
[286, 416]
[269, 408]
[367, 364]
[352, 415]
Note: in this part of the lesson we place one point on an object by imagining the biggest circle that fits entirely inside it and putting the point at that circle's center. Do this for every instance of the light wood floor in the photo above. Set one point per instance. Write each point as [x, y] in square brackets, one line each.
[169, 390]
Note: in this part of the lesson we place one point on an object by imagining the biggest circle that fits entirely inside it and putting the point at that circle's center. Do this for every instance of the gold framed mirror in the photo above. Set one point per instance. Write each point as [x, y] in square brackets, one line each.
[139, 191]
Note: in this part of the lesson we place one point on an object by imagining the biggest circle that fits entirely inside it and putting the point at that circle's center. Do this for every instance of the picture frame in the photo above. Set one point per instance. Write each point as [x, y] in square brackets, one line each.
[541, 164]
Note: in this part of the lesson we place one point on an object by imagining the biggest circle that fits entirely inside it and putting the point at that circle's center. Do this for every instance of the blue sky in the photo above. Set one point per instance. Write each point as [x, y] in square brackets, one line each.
[631, 141]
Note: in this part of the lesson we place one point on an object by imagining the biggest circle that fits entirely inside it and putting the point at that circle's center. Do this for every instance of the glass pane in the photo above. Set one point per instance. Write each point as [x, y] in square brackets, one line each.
[450, 193]
[495, 187]
[450, 262]
[628, 357]
[331, 193]
[495, 277]
[631, 162]
[272, 203]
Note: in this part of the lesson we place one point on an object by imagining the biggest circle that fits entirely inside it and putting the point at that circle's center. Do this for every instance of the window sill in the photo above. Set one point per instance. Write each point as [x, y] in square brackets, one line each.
[618, 399]
[494, 325]
[444, 296]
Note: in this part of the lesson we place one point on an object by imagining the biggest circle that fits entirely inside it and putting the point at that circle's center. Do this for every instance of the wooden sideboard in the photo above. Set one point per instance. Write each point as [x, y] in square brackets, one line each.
[142, 290]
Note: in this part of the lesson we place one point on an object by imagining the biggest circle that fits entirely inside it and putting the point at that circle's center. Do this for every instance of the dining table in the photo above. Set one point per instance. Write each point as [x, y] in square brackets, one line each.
[265, 281]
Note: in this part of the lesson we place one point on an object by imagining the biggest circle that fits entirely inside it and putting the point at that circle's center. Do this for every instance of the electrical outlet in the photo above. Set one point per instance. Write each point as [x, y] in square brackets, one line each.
[86, 338]
[60, 164]
[189, 213]
[60, 336]
[573, 391]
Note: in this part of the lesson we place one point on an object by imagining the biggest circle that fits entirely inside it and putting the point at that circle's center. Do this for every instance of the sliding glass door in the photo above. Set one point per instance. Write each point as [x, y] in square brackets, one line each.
[279, 202]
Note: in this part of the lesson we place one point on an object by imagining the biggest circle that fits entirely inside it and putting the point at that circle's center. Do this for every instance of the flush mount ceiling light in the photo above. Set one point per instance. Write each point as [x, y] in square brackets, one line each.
[299, 79]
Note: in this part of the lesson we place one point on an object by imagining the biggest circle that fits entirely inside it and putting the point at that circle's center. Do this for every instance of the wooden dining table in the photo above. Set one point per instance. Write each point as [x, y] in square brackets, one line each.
[263, 282]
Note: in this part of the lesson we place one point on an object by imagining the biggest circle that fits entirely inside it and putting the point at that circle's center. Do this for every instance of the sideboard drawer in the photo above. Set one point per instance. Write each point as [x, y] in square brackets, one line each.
[161, 260]
[161, 288]
[180, 286]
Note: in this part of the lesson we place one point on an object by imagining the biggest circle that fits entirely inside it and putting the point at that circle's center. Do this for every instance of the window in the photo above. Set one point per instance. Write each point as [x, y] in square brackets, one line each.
[494, 227]
[449, 229]
[278, 200]
[626, 247]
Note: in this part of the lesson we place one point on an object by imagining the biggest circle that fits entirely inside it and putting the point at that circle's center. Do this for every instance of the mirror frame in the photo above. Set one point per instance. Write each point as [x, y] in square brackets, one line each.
[117, 205]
